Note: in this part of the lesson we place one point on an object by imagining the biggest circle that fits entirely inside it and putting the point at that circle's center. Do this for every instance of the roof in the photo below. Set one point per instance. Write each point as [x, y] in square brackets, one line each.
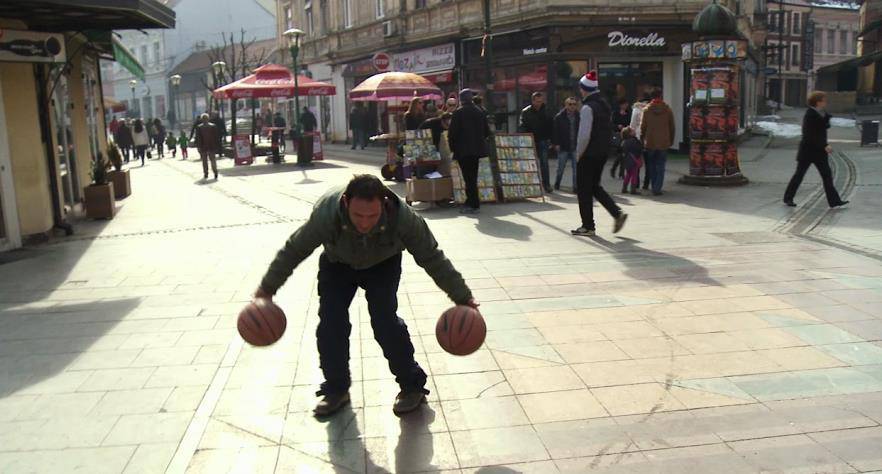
[78, 15]
[852, 63]
[201, 60]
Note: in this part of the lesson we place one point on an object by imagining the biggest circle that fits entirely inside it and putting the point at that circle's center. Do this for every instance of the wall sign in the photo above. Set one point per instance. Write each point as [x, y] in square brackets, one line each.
[420, 61]
[31, 47]
[532, 51]
[618, 39]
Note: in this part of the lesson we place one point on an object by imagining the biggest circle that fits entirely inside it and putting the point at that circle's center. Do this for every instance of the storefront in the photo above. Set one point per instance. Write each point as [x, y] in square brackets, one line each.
[630, 61]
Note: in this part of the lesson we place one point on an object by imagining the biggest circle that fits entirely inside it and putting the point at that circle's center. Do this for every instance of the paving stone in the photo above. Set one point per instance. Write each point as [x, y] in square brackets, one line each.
[858, 447]
[108, 460]
[639, 398]
[480, 413]
[411, 453]
[259, 460]
[697, 459]
[797, 453]
[150, 458]
[472, 385]
[153, 428]
[582, 438]
[498, 446]
[543, 379]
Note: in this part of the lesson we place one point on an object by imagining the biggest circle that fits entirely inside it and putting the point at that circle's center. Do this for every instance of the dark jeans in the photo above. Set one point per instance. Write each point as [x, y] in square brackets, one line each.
[127, 153]
[469, 167]
[141, 152]
[542, 152]
[359, 137]
[617, 164]
[590, 170]
[656, 160]
[826, 173]
[337, 284]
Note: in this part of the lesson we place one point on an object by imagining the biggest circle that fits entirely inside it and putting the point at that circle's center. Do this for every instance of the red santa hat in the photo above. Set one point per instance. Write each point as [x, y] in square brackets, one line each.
[589, 81]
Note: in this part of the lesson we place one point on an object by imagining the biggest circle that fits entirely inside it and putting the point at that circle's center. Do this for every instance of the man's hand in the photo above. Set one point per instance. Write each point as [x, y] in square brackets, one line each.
[259, 293]
[828, 149]
[473, 303]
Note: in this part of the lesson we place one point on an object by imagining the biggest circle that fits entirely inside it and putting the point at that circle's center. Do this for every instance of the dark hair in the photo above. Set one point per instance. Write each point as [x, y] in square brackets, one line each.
[536, 94]
[816, 97]
[646, 97]
[139, 126]
[623, 100]
[656, 93]
[477, 100]
[365, 186]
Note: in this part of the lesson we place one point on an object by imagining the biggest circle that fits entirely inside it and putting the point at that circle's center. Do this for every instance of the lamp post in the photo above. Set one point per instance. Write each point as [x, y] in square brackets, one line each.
[176, 83]
[294, 36]
[219, 67]
[132, 85]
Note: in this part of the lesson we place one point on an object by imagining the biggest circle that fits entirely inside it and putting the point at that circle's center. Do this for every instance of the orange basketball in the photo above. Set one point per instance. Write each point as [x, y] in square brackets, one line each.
[261, 322]
[461, 330]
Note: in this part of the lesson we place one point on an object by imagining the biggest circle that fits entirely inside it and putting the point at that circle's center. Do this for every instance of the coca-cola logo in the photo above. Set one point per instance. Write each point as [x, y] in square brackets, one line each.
[620, 39]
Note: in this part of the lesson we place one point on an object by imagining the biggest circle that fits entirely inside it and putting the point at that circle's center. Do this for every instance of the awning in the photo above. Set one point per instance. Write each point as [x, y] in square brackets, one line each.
[871, 26]
[442, 77]
[79, 15]
[852, 63]
[126, 59]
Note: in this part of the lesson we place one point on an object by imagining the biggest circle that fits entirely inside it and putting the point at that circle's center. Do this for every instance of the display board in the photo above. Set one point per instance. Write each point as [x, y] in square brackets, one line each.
[713, 120]
[486, 183]
[242, 150]
[518, 166]
[418, 146]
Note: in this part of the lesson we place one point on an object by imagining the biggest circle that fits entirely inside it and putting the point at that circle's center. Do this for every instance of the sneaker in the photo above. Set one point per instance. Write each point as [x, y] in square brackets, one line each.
[408, 401]
[468, 211]
[790, 203]
[205, 176]
[583, 232]
[331, 403]
[839, 204]
[557, 187]
[620, 222]
[215, 176]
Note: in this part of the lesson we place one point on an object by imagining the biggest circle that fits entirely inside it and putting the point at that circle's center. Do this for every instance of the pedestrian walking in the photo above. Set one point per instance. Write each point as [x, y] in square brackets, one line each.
[467, 137]
[621, 119]
[814, 150]
[208, 145]
[415, 115]
[636, 121]
[279, 135]
[113, 127]
[140, 140]
[221, 128]
[184, 143]
[657, 130]
[159, 129]
[124, 139]
[308, 120]
[564, 138]
[151, 132]
[171, 143]
[632, 160]
[535, 120]
[358, 123]
[364, 229]
[592, 150]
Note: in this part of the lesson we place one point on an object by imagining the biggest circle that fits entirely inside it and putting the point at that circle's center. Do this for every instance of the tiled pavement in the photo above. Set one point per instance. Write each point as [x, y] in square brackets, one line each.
[701, 340]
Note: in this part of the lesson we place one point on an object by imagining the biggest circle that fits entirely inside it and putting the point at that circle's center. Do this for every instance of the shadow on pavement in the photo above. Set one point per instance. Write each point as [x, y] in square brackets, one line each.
[270, 168]
[640, 263]
[490, 225]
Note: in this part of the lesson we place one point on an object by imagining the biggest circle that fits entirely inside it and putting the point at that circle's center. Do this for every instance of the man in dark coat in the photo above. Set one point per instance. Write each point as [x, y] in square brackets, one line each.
[124, 139]
[814, 150]
[564, 139]
[221, 128]
[358, 125]
[535, 120]
[208, 143]
[592, 151]
[467, 137]
[308, 120]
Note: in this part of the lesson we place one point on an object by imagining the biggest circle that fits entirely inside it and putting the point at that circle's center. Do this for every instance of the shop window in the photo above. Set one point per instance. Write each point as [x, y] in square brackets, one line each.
[629, 81]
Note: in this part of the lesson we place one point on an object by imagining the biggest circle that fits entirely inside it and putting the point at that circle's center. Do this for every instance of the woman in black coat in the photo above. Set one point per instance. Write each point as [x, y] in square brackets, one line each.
[814, 150]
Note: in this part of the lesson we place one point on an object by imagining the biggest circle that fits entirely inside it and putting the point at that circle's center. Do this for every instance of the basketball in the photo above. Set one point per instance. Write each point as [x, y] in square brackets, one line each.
[261, 322]
[461, 330]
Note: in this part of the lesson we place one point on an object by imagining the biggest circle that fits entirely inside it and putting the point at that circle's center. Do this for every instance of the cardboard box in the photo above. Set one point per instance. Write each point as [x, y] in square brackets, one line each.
[429, 190]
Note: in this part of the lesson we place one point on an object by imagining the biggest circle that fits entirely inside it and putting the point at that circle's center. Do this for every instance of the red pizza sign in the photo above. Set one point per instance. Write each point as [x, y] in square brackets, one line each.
[381, 62]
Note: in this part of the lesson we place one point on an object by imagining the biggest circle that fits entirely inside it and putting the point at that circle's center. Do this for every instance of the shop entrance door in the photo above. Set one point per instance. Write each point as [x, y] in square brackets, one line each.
[10, 236]
[630, 81]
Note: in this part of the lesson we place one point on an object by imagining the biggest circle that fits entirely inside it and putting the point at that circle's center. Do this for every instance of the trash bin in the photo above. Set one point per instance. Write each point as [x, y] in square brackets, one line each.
[869, 132]
[304, 150]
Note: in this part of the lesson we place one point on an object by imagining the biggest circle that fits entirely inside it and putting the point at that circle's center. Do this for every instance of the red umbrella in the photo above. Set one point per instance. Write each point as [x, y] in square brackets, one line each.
[395, 87]
[272, 80]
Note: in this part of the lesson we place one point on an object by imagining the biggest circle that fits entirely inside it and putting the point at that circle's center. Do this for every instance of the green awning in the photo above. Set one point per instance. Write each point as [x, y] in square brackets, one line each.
[126, 59]
[871, 26]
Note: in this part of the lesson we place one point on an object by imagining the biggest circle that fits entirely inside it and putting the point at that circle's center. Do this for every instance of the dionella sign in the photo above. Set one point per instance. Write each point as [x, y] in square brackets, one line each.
[618, 39]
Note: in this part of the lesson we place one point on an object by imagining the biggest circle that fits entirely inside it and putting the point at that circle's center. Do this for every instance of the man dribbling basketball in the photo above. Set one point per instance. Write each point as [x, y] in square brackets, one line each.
[364, 230]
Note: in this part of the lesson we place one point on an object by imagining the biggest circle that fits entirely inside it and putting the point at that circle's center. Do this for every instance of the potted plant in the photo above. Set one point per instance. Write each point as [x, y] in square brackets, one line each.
[122, 183]
[100, 201]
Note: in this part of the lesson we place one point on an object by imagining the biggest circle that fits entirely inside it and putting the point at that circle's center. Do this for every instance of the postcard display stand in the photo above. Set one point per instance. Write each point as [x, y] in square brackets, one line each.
[486, 183]
[421, 154]
[714, 111]
[518, 167]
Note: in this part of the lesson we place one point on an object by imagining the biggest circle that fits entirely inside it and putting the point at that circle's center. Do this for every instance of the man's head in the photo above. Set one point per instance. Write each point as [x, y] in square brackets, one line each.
[656, 94]
[363, 200]
[588, 83]
[571, 104]
[537, 99]
[204, 118]
[465, 96]
[624, 104]
[305, 109]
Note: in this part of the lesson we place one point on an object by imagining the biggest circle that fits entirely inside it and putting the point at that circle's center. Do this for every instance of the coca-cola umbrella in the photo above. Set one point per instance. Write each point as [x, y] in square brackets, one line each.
[272, 80]
[395, 87]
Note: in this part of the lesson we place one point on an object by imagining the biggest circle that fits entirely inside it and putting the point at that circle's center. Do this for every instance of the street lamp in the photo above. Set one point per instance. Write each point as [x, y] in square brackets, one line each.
[219, 67]
[132, 85]
[176, 83]
[294, 35]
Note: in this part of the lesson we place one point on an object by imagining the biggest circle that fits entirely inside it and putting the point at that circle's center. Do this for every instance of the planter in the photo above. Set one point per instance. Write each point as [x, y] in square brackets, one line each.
[122, 183]
[100, 202]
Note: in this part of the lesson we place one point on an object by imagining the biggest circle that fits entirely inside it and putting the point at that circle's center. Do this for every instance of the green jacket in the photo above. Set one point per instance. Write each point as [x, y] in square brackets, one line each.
[399, 229]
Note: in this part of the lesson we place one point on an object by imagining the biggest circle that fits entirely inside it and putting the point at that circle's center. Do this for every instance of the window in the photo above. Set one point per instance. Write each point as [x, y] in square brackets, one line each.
[143, 57]
[310, 24]
[796, 55]
[323, 11]
[381, 9]
[843, 42]
[785, 22]
[289, 19]
[347, 13]
[819, 40]
[420, 4]
[156, 53]
[772, 21]
[831, 42]
[786, 56]
[796, 25]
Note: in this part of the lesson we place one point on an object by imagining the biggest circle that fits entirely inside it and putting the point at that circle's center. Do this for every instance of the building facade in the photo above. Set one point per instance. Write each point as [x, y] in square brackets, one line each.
[52, 108]
[535, 46]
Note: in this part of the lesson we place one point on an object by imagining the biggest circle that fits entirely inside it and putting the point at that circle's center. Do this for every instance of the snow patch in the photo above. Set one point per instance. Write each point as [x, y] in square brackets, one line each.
[842, 122]
[784, 130]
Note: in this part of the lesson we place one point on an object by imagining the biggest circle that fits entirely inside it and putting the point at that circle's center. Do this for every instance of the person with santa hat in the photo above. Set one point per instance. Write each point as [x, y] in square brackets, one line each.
[592, 151]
